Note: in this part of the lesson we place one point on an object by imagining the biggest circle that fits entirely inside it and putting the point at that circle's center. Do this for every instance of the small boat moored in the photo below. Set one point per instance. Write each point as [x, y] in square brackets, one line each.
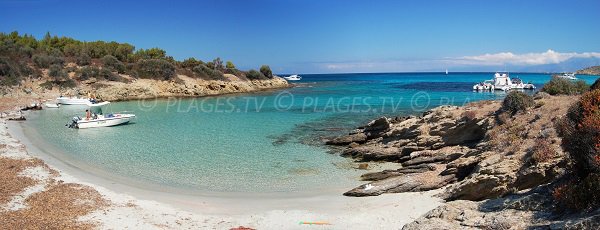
[52, 105]
[74, 100]
[570, 76]
[502, 81]
[294, 77]
[96, 118]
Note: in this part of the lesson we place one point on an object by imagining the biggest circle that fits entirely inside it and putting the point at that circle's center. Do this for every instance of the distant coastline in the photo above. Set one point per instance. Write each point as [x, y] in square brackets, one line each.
[594, 70]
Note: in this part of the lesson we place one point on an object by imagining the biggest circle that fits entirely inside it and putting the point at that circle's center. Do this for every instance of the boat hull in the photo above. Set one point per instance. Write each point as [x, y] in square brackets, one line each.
[72, 101]
[105, 122]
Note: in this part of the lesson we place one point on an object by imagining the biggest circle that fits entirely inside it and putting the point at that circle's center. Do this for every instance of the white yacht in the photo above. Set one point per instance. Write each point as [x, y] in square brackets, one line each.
[294, 77]
[570, 76]
[502, 81]
[52, 105]
[73, 100]
[98, 119]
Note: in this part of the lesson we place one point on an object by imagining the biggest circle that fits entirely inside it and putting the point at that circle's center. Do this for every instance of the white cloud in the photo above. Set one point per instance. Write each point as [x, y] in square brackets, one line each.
[548, 57]
[467, 63]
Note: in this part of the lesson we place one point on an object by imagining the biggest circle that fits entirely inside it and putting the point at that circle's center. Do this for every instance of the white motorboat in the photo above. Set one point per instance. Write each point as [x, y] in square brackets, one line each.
[98, 119]
[294, 77]
[484, 86]
[570, 76]
[502, 81]
[73, 100]
[52, 105]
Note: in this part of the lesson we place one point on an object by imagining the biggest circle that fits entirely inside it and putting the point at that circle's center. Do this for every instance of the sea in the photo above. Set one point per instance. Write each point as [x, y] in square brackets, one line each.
[264, 142]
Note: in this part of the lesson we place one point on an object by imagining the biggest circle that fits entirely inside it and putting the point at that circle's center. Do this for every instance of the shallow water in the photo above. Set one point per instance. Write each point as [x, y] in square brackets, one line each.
[264, 142]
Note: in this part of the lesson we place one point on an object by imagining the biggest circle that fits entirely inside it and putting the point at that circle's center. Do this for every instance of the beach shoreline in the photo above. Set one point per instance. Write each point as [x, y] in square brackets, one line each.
[390, 211]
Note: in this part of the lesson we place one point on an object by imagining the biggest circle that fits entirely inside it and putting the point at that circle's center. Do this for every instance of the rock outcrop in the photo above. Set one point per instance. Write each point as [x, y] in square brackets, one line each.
[498, 171]
[528, 210]
[189, 87]
[468, 149]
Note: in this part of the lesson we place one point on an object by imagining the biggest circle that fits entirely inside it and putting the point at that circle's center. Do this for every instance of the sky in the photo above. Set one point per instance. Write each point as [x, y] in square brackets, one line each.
[327, 36]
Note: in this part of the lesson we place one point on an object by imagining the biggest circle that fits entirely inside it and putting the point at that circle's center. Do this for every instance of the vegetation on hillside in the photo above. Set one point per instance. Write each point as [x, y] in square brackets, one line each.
[24, 56]
[563, 86]
[516, 101]
[580, 132]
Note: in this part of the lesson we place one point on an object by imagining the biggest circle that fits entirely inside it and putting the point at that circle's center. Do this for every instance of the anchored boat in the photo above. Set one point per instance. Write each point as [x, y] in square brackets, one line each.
[74, 100]
[294, 77]
[570, 76]
[502, 81]
[95, 118]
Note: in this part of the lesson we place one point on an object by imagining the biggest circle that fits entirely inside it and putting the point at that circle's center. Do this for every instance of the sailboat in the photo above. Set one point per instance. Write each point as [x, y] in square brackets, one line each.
[446, 71]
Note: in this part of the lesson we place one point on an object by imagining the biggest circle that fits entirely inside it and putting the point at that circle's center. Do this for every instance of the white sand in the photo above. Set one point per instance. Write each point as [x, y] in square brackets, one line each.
[137, 208]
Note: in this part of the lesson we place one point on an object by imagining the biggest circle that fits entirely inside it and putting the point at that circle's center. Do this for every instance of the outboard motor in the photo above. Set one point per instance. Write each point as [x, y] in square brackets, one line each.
[73, 123]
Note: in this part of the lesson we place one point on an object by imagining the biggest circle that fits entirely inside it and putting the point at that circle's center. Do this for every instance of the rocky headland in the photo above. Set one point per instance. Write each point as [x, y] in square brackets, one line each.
[594, 70]
[493, 168]
[31, 91]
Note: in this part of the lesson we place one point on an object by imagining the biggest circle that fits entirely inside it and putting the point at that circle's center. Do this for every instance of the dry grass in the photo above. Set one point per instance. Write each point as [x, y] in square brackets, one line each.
[542, 151]
[58, 207]
[12, 184]
[516, 133]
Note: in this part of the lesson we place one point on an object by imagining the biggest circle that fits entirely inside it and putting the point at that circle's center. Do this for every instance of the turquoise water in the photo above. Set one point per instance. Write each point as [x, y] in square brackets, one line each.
[264, 142]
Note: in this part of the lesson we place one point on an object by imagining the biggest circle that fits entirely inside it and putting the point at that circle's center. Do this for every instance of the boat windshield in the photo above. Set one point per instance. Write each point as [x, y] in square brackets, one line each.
[96, 110]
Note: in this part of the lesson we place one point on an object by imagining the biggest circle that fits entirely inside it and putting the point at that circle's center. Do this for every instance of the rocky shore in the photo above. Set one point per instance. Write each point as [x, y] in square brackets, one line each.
[491, 167]
[31, 91]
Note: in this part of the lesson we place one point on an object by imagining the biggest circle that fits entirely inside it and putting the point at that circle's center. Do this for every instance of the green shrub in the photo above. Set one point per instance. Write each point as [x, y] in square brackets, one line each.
[255, 75]
[190, 63]
[266, 71]
[83, 60]
[57, 72]
[47, 85]
[155, 69]
[113, 63]
[517, 101]
[218, 64]
[152, 53]
[596, 84]
[562, 86]
[10, 73]
[88, 72]
[235, 72]
[45, 61]
[580, 132]
[208, 73]
[229, 65]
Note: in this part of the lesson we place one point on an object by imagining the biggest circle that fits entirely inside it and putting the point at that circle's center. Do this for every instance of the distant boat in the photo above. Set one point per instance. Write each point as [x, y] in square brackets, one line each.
[52, 105]
[446, 71]
[73, 100]
[294, 77]
[570, 76]
[503, 82]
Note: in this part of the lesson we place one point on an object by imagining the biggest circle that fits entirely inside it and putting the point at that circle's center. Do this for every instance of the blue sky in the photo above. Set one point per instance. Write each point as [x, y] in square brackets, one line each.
[321, 36]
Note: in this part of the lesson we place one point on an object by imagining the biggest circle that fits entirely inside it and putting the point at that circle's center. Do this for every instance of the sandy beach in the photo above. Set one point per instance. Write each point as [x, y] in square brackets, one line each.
[96, 202]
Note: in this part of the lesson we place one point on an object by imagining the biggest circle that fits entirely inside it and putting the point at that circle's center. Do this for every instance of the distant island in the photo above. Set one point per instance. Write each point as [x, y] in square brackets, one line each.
[594, 70]
[115, 71]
